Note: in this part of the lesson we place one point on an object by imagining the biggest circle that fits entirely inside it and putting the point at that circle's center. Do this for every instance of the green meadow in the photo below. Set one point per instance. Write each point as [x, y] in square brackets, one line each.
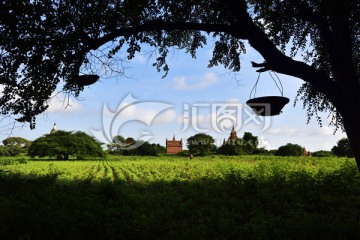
[173, 197]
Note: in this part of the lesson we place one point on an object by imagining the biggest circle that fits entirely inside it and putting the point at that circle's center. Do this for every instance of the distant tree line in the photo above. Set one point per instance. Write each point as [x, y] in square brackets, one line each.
[62, 145]
[202, 144]
[130, 147]
[14, 146]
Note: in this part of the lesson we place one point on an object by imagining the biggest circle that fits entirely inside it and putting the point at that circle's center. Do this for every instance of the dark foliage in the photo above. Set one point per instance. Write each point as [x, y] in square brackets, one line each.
[264, 204]
[343, 148]
[130, 147]
[290, 150]
[322, 153]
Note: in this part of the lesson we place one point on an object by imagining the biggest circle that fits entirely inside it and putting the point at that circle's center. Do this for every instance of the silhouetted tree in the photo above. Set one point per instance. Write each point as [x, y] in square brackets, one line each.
[343, 148]
[45, 43]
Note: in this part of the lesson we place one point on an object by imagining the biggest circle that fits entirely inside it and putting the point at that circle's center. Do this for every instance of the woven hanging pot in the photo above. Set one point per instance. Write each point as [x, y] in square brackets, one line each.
[84, 80]
[268, 105]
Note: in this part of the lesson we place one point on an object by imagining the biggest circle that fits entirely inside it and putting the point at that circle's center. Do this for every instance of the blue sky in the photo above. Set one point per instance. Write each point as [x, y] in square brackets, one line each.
[190, 91]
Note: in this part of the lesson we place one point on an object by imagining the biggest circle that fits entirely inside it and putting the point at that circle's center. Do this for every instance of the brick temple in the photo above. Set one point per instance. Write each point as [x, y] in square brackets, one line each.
[233, 135]
[173, 146]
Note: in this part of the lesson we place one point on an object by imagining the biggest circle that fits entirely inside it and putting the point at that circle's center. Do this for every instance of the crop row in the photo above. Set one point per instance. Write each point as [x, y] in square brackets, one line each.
[164, 169]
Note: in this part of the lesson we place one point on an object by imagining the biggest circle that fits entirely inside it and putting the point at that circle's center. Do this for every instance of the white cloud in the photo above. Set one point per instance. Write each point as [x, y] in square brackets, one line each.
[195, 82]
[263, 143]
[61, 103]
[128, 110]
[323, 131]
[150, 115]
[140, 58]
[285, 131]
[165, 117]
[233, 100]
[327, 146]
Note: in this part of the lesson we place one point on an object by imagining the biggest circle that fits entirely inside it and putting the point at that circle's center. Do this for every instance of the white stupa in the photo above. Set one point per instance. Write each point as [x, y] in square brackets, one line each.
[53, 129]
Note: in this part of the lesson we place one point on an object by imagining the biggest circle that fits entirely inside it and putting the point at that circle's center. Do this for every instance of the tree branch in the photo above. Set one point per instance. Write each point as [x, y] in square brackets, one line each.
[243, 27]
[159, 25]
[263, 66]
[275, 59]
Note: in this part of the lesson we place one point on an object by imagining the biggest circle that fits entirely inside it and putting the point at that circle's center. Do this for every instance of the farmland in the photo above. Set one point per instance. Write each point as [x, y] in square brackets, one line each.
[171, 197]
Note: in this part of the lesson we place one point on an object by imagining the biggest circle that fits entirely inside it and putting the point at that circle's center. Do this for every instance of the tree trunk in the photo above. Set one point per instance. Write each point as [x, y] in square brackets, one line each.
[352, 128]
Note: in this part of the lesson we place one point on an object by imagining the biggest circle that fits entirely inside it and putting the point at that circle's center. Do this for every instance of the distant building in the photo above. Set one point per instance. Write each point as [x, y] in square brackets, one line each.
[53, 130]
[233, 135]
[307, 153]
[173, 146]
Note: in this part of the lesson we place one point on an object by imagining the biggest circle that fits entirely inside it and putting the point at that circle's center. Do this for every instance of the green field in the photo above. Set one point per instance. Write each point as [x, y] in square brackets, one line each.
[216, 197]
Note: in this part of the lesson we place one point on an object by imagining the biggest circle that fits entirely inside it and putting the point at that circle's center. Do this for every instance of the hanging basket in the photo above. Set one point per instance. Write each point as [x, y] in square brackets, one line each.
[84, 80]
[268, 105]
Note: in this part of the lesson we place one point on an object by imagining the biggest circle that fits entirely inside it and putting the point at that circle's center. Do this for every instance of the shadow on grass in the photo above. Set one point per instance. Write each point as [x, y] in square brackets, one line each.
[281, 206]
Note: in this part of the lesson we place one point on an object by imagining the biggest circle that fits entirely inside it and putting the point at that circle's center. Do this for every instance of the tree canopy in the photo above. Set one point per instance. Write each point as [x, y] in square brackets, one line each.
[63, 144]
[45, 43]
[201, 144]
[122, 146]
[19, 141]
[290, 150]
[241, 146]
[16, 145]
[343, 148]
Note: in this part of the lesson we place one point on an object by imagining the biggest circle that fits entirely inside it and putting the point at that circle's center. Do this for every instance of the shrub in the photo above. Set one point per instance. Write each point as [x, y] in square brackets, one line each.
[263, 151]
[322, 153]
[290, 150]
[4, 151]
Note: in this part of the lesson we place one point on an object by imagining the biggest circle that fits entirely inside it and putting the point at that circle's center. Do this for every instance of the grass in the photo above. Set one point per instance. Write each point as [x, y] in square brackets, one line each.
[248, 197]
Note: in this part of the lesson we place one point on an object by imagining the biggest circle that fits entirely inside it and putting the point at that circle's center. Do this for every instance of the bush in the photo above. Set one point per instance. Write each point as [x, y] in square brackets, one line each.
[184, 153]
[290, 150]
[263, 151]
[322, 153]
[4, 151]
[14, 150]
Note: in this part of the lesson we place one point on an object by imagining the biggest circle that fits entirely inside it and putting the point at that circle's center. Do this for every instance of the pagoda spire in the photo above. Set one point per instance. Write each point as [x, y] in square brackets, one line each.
[54, 128]
[233, 135]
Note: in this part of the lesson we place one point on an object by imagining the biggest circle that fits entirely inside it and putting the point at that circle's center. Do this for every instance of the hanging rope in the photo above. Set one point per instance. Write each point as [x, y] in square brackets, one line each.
[280, 89]
[278, 85]
[254, 88]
